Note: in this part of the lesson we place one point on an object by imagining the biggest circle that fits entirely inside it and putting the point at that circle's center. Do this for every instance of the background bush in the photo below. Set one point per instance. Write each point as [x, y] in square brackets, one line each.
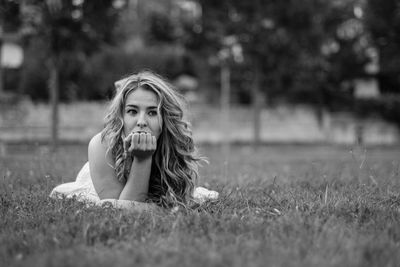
[92, 78]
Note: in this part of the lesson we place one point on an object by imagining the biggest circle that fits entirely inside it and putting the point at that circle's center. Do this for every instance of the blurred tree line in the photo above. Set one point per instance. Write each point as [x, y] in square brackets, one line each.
[278, 51]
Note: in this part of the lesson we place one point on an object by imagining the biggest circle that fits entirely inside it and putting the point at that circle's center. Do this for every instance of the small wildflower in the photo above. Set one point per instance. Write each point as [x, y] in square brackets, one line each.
[277, 211]
[174, 210]
[19, 256]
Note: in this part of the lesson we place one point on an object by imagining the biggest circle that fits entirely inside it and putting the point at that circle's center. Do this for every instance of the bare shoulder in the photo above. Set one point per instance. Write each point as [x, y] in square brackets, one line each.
[99, 160]
[102, 170]
[96, 144]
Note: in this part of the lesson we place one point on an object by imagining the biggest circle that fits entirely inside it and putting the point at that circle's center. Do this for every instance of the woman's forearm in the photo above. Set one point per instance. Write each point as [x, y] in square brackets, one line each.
[137, 186]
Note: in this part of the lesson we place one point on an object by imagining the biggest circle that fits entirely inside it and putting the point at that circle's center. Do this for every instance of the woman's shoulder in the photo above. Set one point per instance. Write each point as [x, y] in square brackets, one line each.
[98, 152]
[97, 145]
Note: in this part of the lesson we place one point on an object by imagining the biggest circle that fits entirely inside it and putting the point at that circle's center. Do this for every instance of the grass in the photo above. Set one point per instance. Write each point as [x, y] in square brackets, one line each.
[279, 206]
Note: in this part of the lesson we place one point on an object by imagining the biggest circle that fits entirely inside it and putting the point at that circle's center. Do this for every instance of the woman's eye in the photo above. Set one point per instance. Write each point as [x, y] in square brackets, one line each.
[131, 111]
[153, 113]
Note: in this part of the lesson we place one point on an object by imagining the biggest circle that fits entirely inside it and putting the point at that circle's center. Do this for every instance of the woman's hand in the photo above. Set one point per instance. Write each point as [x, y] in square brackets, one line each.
[140, 145]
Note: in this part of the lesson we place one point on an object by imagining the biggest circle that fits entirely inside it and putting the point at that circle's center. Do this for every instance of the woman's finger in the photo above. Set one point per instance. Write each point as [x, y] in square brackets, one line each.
[142, 141]
[125, 144]
[134, 142]
[126, 141]
[148, 141]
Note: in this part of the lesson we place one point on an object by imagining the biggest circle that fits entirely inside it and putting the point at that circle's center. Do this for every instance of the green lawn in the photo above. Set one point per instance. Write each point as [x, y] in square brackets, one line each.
[279, 206]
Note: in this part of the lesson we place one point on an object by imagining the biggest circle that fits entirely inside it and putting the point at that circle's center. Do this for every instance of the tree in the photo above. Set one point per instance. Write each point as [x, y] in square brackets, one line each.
[68, 27]
[291, 49]
[382, 18]
[267, 32]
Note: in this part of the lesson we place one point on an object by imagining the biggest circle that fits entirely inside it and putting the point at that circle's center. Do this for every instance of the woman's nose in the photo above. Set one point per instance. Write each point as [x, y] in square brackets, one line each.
[141, 122]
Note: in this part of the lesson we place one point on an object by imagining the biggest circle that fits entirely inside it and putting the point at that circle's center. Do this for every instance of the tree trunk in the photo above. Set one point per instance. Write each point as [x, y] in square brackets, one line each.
[257, 100]
[54, 99]
[1, 66]
[225, 109]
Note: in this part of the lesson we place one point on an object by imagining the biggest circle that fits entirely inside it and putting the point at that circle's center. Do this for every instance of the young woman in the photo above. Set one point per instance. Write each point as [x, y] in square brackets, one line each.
[144, 154]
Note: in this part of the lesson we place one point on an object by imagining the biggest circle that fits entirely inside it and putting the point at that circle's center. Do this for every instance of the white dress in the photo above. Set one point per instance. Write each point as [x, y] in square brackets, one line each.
[83, 190]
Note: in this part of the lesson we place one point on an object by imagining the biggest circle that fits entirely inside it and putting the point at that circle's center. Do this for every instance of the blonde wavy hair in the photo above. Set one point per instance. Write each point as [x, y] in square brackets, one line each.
[174, 170]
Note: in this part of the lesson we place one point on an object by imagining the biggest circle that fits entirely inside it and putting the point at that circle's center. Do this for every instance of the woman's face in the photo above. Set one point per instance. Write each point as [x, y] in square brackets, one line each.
[141, 113]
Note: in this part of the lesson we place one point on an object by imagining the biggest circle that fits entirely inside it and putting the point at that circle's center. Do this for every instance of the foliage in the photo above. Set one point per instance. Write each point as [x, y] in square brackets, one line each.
[107, 66]
[34, 73]
[279, 206]
[9, 11]
[383, 22]
[161, 28]
[83, 40]
[70, 25]
[61, 34]
[386, 107]
[286, 39]
[92, 77]
[307, 52]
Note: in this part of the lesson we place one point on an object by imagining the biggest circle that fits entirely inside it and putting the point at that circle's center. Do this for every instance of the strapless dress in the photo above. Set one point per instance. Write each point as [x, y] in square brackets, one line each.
[83, 190]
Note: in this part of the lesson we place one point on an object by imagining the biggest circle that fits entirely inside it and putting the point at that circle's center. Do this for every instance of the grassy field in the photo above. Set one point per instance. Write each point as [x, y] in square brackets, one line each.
[279, 206]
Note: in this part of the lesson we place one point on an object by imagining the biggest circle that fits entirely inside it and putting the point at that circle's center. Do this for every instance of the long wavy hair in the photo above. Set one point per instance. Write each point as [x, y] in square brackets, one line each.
[174, 170]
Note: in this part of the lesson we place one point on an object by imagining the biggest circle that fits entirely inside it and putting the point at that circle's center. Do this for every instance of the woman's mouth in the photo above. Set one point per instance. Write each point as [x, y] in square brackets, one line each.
[141, 132]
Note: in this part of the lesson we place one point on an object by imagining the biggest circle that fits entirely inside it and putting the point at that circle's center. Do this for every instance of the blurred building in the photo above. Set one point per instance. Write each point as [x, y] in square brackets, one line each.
[11, 59]
[12, 54]
[188, 86]
[366, 88]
